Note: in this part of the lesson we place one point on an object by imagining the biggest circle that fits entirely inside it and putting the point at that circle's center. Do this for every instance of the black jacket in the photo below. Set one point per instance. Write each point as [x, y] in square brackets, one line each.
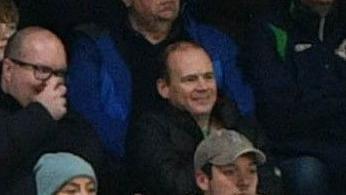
[299, 80]
[160, 150]
[27, 133]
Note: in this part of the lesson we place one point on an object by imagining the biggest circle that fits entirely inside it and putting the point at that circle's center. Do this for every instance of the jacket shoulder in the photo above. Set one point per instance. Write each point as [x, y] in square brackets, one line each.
[213, 36]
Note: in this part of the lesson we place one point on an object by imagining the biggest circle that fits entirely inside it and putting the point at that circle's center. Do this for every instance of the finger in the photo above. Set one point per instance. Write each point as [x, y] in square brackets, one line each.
[60, 80]
[64, 102]
[61, 90]
[52, 83]
[63, 108]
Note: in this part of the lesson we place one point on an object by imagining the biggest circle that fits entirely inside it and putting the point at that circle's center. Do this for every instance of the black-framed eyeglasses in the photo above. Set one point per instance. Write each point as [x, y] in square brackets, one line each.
[40, 72]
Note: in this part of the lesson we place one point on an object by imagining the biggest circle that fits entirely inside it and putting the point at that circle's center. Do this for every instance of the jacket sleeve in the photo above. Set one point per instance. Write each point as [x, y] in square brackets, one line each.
[88, 97]
[278, 98]
[273, 88]
[21, 134]
[89, 147]
[155, 160]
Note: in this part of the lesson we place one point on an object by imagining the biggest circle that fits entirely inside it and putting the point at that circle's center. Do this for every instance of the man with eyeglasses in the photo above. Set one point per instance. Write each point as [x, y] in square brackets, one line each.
[33, 111]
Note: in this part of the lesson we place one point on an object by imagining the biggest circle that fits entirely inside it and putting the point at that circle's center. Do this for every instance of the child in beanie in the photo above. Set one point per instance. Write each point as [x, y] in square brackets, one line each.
[64, 174]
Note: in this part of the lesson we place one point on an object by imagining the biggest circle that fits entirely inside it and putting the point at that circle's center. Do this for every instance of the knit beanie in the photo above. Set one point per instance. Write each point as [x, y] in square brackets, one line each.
[54, 170]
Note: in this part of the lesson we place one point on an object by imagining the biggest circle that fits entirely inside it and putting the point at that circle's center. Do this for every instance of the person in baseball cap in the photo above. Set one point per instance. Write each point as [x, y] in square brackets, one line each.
[226, 163]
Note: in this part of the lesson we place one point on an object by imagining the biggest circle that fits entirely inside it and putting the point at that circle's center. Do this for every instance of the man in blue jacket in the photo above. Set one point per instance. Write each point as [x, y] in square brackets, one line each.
[298, 70]
[113, 72]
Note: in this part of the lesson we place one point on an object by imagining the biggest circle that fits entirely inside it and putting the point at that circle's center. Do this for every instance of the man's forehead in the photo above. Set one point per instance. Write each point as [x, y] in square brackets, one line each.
[196, 73]
[54, 61]
[247, 159]
[196, 57]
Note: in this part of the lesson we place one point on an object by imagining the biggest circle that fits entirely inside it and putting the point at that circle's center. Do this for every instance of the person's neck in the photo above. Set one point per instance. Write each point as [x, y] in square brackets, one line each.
[321, 10]
[154, 31]
[203, 121]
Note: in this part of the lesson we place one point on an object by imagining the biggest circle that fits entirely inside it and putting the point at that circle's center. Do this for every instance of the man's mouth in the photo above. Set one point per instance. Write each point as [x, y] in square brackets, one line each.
[204, 99]
[167, 6]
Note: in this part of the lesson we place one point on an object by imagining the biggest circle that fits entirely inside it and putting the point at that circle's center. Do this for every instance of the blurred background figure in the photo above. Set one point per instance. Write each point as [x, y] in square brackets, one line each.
[296, 64]
[64, 174]
[9, 18]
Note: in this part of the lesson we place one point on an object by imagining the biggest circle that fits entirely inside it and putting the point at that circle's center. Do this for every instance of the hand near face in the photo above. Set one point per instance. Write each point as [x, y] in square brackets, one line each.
[52, 97]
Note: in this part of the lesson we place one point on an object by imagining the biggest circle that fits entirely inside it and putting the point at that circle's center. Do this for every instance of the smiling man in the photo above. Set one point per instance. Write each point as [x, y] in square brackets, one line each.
[113, 72]
[189, 83]
[161, 143]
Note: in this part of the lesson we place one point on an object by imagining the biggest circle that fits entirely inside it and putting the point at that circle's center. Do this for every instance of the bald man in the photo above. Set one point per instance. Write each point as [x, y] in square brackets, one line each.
[33, 112]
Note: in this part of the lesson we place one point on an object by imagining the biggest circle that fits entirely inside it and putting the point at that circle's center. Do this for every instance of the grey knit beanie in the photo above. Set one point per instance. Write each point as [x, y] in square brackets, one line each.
[53, 170]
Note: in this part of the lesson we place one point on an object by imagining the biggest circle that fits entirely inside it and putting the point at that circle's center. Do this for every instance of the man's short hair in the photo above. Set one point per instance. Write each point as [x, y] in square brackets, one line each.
[173, 47]
[13, 46]
[8, 12]
[207, 170]
[223, 147]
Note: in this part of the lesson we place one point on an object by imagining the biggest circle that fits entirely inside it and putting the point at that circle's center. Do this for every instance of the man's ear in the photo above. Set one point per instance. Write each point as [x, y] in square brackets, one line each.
[6, 72]
[127, 3]
[163, 88]
[202, 180]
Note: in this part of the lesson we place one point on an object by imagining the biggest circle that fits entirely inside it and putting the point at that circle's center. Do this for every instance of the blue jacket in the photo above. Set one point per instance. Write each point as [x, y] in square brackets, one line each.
[100, 82]
[298, 73]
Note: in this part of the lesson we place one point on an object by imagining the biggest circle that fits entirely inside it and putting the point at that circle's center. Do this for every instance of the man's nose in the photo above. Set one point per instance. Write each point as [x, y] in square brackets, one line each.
[84, 192]
[202, 84]
[243, 181]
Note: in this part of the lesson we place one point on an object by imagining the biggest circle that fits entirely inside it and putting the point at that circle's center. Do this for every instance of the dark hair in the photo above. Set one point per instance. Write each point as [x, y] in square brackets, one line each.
[173, 47]
[8, 12]
[13, 46]
[206, 169]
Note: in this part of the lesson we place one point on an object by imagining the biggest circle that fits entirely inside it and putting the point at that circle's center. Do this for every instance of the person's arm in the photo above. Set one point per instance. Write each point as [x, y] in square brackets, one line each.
[28, 128]
[274, 88]
[156, 161]
[21, 134]
[85, 142]
[97, 94]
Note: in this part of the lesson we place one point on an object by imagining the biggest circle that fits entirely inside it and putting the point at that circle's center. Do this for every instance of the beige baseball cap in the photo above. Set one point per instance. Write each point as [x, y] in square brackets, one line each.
[223, 147]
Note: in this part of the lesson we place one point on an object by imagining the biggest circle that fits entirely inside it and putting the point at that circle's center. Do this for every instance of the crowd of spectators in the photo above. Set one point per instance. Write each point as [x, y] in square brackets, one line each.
[176, 97]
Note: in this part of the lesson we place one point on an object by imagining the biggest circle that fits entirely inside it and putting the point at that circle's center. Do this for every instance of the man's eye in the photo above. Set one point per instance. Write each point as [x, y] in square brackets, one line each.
[91, 190]
[209, 76]
[44, 69]
[253, 170]
[70, 191]
[189, 79]
[229, 172]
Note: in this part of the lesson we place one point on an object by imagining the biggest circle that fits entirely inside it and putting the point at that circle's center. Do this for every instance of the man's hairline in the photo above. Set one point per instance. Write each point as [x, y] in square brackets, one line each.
[184, 45]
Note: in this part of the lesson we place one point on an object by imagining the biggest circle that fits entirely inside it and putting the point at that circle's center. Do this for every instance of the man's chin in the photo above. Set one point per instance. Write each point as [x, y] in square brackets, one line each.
[168, 16]
[202, 111]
